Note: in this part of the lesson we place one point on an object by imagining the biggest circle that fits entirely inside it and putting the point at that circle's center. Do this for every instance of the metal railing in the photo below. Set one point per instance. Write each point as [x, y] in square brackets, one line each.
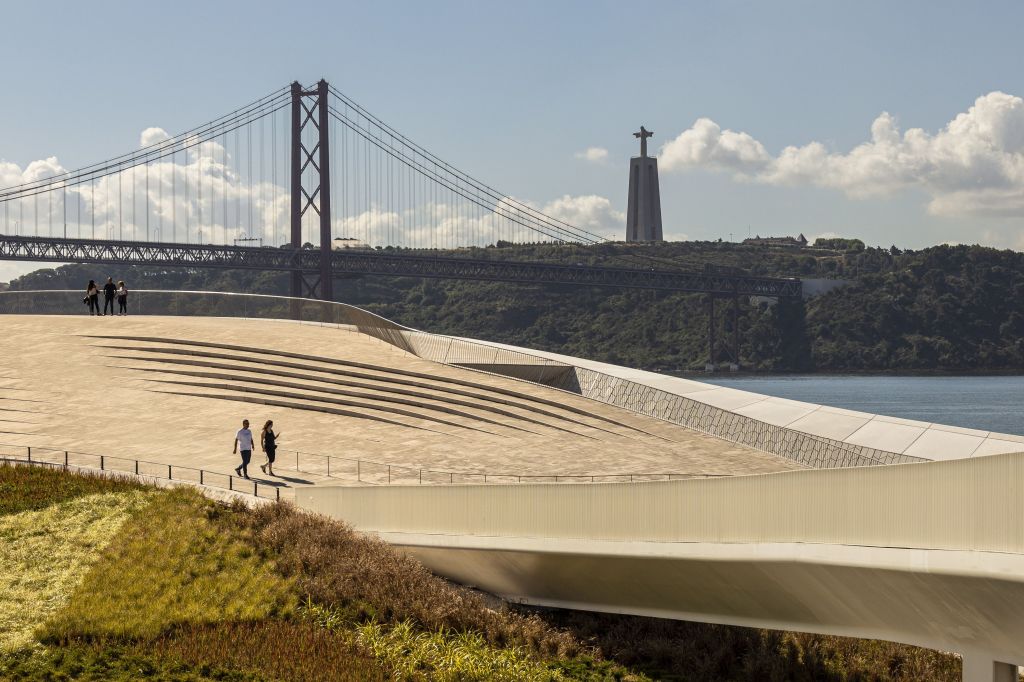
[138, 467]
[382, 473]
[799, 446]
[329, 466]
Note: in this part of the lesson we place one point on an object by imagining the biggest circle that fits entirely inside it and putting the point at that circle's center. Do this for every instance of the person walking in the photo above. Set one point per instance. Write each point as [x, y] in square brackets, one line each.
[92, 297]
[243, 443]
[268, 441]
[122, 298]
[108, 295]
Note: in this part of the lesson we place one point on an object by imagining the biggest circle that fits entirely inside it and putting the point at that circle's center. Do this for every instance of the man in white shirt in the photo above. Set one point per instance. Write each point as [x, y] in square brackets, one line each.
[243, 442]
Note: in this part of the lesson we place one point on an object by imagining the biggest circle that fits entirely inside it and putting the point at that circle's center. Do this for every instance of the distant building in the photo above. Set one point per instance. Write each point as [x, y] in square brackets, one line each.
[777, 241]
[349, 243]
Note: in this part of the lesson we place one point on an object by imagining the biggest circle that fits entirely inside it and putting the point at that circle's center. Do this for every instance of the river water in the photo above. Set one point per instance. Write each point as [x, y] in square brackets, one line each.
[989, 403]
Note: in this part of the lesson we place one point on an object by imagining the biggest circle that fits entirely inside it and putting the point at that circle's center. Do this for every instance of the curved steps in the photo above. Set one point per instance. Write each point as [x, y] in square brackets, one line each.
[250, 374]
[435, 382]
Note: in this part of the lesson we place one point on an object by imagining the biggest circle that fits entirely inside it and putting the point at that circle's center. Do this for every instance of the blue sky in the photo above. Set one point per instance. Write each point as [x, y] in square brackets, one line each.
[515, 92]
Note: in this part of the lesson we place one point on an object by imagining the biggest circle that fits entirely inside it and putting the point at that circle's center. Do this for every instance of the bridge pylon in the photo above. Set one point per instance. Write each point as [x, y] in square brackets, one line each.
[311, 184]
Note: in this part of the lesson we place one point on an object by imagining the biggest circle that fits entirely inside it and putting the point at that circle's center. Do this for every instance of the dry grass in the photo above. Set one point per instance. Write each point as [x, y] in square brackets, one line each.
[678, 650]
[366, 579]
[443, 655]
[173, 564]
[276, 649]
[27, 488]
[46, 553]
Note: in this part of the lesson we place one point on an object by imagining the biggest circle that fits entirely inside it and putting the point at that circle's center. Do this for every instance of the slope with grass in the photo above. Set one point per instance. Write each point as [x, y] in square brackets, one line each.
[188, 589]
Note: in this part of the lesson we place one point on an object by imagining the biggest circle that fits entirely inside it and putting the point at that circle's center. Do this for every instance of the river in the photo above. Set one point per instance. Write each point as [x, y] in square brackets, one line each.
[989, 403]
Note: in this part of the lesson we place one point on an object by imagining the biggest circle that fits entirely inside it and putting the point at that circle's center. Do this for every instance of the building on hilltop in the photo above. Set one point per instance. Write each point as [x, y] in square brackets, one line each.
[349, 243]
[798, 242]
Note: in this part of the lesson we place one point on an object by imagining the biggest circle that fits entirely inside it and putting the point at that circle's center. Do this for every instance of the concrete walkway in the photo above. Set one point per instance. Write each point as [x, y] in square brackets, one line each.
[173, 390]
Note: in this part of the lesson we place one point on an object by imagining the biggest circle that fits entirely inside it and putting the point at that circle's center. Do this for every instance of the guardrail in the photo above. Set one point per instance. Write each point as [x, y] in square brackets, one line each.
[330, 466]
[380, 473]
[804, 448]
[137, 467]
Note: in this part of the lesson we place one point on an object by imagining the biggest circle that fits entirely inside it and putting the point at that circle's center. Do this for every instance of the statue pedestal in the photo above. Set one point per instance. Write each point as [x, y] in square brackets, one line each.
[643, 219]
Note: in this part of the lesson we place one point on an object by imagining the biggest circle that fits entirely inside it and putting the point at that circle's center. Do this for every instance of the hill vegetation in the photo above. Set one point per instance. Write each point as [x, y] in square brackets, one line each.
[168, 585]
[944, 308]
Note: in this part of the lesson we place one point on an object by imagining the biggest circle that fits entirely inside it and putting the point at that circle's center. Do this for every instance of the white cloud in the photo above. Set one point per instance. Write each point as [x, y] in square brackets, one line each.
[973, 166]
[593, 154]
[707, 145]
[151, 136]
[590, 212]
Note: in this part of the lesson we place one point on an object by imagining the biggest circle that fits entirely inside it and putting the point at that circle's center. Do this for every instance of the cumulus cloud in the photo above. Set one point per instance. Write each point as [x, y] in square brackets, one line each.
[151, 136]
[707, 145]
[593, 154]
[589, 211]
[972, 166]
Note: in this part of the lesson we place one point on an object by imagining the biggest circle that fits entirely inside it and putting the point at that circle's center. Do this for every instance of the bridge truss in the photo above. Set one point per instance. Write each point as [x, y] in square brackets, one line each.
[296, 170]
[346, 262]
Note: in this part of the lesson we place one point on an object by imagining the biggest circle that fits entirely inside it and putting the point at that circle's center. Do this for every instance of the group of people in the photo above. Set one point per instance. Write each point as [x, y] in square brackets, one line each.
[110, 292]
[244, 444]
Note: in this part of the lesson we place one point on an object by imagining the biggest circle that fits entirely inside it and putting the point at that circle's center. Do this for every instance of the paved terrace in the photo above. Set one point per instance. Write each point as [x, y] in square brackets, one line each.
[173, 390]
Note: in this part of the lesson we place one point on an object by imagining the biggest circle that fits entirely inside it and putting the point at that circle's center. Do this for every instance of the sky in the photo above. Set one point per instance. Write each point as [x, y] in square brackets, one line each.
[896, 123]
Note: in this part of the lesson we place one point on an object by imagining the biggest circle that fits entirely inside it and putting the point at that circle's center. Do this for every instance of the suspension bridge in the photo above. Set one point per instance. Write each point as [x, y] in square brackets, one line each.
[295, 169]
[296, 172]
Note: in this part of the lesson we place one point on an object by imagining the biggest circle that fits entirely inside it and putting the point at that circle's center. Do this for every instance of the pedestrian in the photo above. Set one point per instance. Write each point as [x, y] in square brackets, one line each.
[92, 297]
[268, 441]
[122, 298]
[108, 295]
[243, 443]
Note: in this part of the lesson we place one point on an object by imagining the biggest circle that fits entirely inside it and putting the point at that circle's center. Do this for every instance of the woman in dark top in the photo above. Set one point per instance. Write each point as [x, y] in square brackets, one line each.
[268, 441]
[92, 297]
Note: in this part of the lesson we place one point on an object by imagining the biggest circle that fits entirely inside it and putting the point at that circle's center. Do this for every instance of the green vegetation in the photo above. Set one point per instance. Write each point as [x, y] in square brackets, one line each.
[190, 589]
[183, 565]
[27, 488]
[45, 553]
[945, 308]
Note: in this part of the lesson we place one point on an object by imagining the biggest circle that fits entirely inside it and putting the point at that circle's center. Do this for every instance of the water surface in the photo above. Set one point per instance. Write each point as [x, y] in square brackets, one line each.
[989, 403]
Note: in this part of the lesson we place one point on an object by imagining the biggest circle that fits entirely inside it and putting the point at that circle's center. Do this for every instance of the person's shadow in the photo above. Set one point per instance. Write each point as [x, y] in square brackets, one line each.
[283, 482]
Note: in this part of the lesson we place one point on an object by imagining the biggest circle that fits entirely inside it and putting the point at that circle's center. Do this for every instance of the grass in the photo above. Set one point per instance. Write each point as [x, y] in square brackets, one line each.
[188, 589]
[365, 579]
[680, 650]
[106, 662]
[444, 655]
[278, 649]
[28, 488]
[46, 553]
[177, 563]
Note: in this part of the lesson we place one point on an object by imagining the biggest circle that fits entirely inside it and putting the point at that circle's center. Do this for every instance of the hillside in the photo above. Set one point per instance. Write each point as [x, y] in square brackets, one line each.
[111, 580]
[946, 308]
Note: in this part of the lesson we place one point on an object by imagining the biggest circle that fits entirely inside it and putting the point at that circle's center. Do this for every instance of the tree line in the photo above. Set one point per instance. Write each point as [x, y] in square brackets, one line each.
[943, 308]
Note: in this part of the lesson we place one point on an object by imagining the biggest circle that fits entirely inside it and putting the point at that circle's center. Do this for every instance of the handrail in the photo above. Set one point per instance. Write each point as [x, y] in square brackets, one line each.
[363, 471]
[450, 477]
[800, 446]
[203, 474]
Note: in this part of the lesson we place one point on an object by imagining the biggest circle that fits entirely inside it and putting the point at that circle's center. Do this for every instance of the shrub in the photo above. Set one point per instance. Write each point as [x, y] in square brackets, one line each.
[366, 579]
